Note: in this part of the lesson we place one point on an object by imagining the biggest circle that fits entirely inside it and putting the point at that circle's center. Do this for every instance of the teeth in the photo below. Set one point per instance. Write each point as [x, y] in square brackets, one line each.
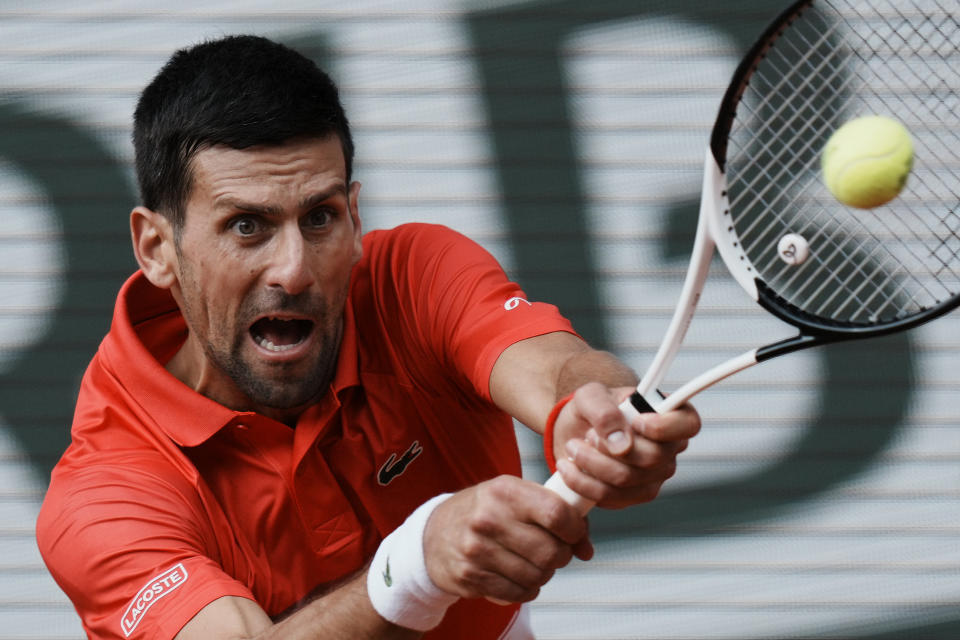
[276, 348]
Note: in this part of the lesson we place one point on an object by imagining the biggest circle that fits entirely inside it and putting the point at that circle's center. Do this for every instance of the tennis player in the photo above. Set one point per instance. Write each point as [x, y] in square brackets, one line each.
[296, 430]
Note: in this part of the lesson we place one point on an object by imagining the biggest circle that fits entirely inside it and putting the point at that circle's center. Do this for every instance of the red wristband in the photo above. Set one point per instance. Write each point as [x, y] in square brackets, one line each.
[548, 433]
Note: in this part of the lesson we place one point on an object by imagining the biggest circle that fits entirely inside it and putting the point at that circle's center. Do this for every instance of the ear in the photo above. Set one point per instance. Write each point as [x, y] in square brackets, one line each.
[153, 246]
[353, 203]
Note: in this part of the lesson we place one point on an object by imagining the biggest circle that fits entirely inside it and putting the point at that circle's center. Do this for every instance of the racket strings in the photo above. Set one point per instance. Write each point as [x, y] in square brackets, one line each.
[881, 44]
[833, 64]
[787, 74]
[770, 137]
[768, 153]
[938, 86]
[844, 252]
[763, 125]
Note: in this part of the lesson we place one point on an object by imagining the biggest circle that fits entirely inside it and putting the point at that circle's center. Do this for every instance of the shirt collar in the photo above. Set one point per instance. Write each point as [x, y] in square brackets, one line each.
[147, 330]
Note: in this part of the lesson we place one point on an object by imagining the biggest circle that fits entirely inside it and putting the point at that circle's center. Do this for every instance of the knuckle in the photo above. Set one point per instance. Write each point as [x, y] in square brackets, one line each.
[530, 579]
[527, 594]
[543, 579]
[695, 423]
[622, 477]
[561, 558]
[609, 417]
[463, 577]
[670, 469]
[531, 595]
[550, 557]
[473, 548]
[483, 523]
[605, 493]
[554, 513]
[499, 488]
[654, 429]
[590, 389]
[473, 580]
[656, 457]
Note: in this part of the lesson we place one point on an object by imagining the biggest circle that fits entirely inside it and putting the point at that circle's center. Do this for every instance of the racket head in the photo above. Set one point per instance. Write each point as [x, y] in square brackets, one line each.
[820, 64]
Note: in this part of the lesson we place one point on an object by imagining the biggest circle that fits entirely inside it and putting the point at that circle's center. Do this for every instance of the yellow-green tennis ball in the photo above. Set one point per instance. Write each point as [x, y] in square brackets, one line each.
[866, 161]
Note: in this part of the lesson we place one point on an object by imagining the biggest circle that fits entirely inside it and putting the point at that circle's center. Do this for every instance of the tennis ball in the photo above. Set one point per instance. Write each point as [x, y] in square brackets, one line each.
[866, 161]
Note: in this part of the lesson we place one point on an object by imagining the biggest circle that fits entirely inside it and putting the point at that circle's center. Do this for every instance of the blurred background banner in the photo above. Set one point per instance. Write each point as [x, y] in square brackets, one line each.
[821, 499]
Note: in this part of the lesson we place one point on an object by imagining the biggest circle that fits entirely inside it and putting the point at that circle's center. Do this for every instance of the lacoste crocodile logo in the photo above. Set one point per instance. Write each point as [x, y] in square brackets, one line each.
[394, 466]
[387, 579]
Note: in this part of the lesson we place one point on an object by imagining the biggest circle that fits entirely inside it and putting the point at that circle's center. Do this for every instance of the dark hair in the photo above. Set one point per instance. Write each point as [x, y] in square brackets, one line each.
[238, 91]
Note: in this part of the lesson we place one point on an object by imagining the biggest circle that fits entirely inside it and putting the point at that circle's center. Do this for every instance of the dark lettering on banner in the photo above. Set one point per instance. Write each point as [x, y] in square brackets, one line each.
[91, 199]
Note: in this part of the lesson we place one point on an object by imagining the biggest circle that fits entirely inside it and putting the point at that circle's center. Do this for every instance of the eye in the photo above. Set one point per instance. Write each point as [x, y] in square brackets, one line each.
[318, 218]
[245, 225]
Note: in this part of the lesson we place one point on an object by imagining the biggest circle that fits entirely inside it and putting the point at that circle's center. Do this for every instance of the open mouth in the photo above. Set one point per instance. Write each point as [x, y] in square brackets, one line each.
[280, 334]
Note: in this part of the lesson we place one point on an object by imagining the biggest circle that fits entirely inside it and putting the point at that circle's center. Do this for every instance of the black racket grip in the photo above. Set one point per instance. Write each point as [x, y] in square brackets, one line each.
[640, 403]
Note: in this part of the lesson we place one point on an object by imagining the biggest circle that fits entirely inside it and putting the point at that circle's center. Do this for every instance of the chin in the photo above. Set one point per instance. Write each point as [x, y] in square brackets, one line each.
[284, 392]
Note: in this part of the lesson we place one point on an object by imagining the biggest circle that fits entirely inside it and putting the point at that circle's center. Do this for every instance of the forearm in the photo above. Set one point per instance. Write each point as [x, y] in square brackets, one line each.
[604, 455]
[532, 375]
[343, 613]
[593, 366]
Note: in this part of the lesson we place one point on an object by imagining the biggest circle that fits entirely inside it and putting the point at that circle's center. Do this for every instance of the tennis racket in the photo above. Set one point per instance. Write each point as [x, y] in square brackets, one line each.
[867, 273]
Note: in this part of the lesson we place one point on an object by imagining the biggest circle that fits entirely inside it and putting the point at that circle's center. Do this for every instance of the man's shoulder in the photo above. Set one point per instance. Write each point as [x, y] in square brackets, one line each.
[87, 488]
[411, 234]
[125, 469]
[419, 248]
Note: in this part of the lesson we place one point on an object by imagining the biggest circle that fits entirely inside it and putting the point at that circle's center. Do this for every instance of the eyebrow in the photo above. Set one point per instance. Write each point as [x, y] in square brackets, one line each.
[273, 211]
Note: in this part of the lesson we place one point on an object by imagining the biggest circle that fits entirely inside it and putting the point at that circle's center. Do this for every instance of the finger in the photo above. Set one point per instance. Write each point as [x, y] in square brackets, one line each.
[583, 549]
[504, 539]
[553, 515]
[603, 493]
[645, 453]
[531, 503]
[538, 548]
[489, 570]
[508, 563]
[679, 424]
[597, 406]
[649, 462]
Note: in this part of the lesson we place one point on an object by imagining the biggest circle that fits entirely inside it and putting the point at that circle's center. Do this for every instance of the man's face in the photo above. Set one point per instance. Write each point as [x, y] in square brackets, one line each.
[263, 268]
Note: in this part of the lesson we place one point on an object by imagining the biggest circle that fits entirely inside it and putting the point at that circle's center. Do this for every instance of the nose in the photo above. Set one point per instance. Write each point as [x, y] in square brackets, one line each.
[290, 265]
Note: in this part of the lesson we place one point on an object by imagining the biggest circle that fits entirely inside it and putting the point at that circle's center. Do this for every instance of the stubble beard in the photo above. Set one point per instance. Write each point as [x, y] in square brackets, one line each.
[283, 385]
[275, 385]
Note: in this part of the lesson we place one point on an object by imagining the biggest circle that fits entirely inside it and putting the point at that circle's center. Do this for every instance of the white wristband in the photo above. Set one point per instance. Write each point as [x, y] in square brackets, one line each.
[397, 581]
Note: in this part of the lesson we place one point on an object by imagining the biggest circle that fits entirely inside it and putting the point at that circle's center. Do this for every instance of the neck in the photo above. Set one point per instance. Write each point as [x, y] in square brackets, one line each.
[191, 367]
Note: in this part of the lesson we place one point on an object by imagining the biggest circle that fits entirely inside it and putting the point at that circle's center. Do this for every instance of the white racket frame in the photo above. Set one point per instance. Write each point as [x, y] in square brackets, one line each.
[713, 232]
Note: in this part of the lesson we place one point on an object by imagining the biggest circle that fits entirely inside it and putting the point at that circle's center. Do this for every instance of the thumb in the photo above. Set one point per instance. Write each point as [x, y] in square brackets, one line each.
[614, 441]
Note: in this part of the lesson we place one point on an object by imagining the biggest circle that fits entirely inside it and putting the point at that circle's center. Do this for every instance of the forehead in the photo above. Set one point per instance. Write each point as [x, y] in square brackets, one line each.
[267, 171]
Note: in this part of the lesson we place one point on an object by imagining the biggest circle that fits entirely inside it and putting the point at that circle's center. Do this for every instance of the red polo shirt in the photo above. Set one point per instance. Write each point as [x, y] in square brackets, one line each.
[166, 500]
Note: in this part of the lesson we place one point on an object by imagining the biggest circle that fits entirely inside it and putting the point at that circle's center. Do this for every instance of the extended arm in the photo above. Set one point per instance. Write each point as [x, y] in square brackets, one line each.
[345, 612]
[600, 454]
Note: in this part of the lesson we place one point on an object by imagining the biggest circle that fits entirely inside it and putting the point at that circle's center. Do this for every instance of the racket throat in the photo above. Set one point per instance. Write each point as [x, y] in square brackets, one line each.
[796, 343]
[640, 403]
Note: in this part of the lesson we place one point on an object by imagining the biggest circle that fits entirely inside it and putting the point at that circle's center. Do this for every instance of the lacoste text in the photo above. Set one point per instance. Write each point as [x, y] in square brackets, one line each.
[157, 588]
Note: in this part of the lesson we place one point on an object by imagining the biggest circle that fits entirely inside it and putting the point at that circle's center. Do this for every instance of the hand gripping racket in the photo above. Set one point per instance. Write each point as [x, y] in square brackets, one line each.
[867, 273]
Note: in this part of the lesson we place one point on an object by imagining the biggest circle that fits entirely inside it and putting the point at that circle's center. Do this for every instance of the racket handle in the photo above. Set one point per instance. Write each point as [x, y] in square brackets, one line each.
[630, 408]
[574, 499]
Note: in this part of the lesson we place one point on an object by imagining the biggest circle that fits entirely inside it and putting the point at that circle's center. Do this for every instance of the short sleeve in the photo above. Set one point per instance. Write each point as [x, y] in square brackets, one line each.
[456, 297]
[125, 545]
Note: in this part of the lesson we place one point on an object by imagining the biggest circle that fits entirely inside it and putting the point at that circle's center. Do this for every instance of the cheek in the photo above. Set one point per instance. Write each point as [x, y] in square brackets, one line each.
[212, 297]
[338, 266]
